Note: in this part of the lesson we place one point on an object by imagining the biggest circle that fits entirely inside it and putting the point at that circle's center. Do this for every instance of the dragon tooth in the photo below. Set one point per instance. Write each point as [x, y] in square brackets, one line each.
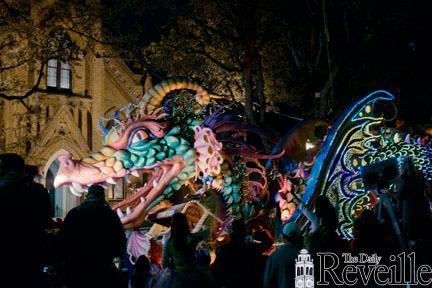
[135, 173]
[120, 213]
[75, 192]
[155, 183]
[142, 200]
[110, 180]
[77, 187]
[128, 211]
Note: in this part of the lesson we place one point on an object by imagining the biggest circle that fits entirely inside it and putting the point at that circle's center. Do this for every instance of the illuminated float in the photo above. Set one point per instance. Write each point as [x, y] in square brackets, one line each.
[202, 146]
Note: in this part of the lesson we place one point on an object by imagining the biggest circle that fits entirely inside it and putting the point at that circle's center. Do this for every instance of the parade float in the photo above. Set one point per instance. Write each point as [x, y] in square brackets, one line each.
[199, 156]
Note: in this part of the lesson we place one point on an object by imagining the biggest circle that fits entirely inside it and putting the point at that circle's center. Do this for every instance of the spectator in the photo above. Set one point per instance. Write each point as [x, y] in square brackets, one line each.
[203, 262]
[367, 233]
[280, 265]
[40, 196]
[416, 215]
[93, 237]
[141, 276]
[236, 262]
[179, 254]
[24, 222]
[324, 222]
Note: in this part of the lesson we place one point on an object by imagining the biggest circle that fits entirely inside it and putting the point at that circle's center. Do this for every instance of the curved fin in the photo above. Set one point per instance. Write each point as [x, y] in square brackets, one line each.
[335, 171]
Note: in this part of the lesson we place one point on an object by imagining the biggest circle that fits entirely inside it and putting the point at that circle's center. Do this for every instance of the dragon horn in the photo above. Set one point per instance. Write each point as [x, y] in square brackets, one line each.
[102, 126]
[154, 96]
[119, 122]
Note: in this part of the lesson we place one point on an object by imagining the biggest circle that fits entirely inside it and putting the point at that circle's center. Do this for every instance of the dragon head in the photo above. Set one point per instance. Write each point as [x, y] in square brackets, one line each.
[139, 142]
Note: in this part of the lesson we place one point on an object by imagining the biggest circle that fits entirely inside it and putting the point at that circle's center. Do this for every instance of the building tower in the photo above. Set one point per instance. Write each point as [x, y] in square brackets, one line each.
[304, 270]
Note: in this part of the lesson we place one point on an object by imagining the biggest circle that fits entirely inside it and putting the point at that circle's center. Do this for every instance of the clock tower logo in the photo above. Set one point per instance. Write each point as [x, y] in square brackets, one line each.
[304, 270]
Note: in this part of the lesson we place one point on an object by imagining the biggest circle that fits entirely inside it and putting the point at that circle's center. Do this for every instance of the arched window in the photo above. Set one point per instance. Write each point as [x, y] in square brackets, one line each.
[59, 75]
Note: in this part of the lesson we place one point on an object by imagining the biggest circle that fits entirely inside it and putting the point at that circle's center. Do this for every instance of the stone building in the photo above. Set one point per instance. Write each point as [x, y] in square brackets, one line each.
[61, 117]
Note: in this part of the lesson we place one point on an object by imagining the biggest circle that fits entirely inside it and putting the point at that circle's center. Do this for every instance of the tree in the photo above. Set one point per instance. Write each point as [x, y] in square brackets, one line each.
[33, 34]
[247, 50]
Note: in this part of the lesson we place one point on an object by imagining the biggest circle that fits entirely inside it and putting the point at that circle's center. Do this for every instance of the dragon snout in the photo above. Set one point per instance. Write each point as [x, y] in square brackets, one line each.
[60, 179]
[66, 165]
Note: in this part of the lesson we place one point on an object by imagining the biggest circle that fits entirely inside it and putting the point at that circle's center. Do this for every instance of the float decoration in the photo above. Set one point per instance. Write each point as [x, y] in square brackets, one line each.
[177, 145]
[358, 139]
[203, 144]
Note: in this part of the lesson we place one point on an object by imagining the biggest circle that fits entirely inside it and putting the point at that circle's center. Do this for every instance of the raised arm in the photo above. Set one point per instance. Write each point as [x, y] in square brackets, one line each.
[307, 212]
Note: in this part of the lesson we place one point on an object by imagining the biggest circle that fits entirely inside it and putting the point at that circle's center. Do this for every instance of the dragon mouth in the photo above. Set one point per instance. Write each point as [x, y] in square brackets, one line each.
[132, 210]
[79, 176]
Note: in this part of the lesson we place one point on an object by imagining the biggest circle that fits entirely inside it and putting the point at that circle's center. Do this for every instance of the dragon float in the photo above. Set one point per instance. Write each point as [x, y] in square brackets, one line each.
[201, 148]
[205, 145]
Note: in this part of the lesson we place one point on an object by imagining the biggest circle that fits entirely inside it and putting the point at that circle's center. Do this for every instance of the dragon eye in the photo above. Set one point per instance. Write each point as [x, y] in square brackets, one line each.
[139, 136]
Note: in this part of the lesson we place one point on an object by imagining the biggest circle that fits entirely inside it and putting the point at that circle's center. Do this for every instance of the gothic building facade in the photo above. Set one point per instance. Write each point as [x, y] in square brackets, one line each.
[61, 116]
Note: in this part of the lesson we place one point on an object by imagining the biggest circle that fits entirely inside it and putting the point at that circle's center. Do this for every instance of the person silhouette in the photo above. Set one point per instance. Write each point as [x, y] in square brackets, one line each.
[179, 254]
[92, 237]
[236, 263]
[24, 221]
[280, 265]
[141, 276]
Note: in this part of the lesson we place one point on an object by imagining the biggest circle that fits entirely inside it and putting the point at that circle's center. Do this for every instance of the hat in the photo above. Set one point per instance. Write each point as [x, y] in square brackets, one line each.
[96, 192]
[11, 162]
[11, 168]
[290, 228]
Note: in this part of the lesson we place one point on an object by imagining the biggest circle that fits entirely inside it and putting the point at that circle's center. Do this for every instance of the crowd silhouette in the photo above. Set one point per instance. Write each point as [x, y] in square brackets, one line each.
[80, 252]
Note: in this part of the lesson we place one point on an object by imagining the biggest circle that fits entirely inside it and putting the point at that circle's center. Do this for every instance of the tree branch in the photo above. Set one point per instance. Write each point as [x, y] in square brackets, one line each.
[31, 91]
[217, 32]
[13, 11]
[209, 57]
[85, 35]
